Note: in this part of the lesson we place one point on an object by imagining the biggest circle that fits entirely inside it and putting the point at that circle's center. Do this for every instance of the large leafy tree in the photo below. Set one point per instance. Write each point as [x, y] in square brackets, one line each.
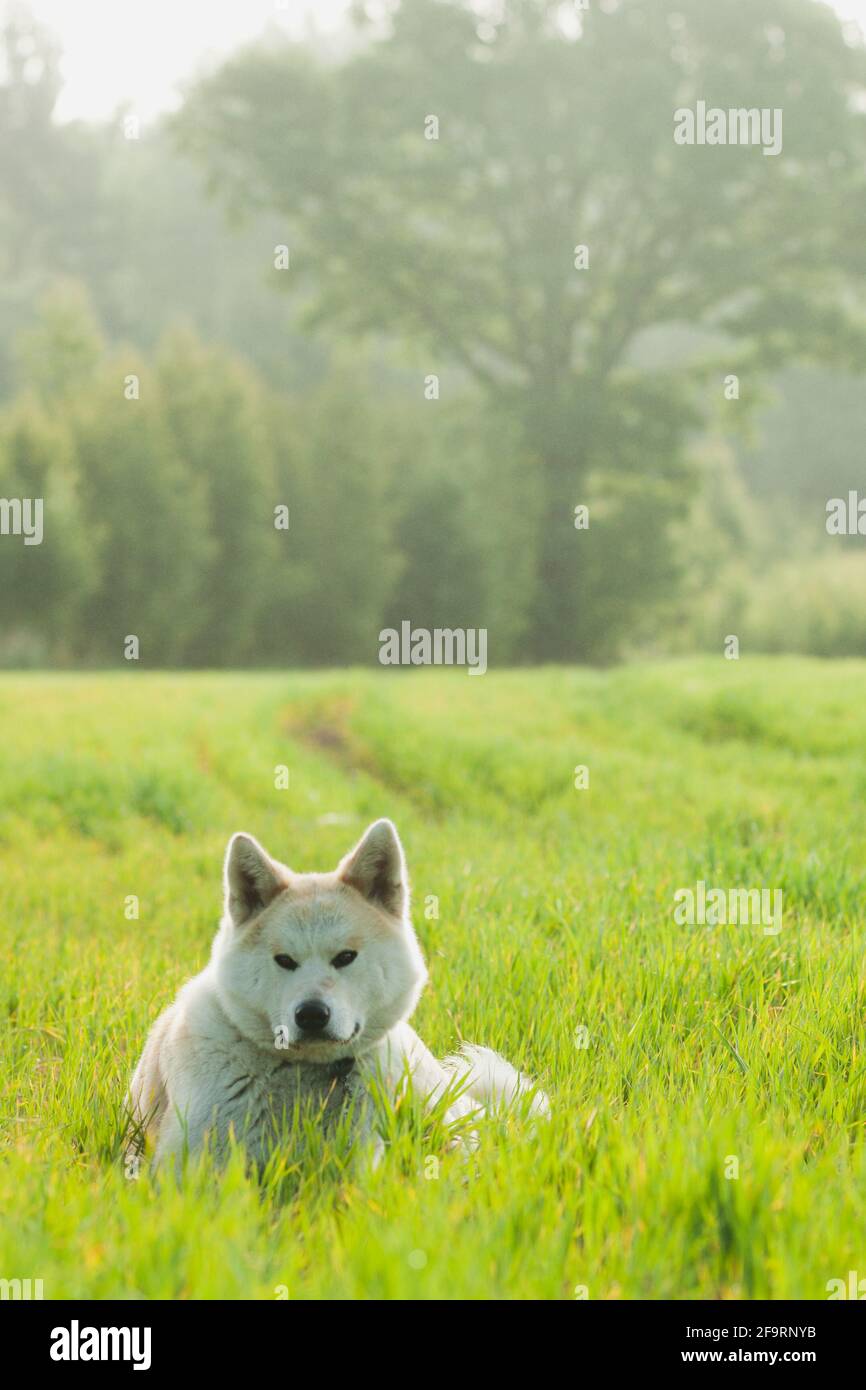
[555, 129]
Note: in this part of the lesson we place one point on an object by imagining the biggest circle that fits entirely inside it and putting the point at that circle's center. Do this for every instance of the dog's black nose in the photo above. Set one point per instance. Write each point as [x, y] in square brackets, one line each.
[312, 1015]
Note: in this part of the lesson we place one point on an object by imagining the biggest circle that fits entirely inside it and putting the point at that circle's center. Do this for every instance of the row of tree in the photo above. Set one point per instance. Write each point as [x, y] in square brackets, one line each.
[191, 505]
[465, 199]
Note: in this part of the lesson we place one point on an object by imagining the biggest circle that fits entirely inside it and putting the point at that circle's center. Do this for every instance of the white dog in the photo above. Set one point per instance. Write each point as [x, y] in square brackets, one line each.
[311, 980]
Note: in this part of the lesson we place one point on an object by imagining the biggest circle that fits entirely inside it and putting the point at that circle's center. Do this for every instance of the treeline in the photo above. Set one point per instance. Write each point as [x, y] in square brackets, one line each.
[165, 454]
[221, 523]
[167, 479]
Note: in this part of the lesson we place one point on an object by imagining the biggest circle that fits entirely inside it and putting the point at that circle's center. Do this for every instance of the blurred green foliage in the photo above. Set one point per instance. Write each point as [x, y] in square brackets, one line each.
[453, 257]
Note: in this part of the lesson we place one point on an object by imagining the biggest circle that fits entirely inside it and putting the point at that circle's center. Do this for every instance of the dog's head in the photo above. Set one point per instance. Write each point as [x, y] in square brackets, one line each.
[318, 966]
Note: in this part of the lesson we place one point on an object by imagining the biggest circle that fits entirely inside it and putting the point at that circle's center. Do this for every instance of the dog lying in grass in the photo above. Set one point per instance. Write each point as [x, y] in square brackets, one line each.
[307, 996]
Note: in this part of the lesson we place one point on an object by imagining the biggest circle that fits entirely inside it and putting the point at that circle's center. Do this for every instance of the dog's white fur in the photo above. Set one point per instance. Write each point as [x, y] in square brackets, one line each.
[229, 1057]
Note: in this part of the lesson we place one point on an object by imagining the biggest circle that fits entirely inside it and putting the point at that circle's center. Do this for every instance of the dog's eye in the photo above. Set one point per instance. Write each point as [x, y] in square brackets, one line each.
[344, 958]
[286, 962]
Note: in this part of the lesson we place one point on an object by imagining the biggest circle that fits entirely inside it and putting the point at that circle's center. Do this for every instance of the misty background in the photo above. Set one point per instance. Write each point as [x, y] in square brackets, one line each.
[139, 239]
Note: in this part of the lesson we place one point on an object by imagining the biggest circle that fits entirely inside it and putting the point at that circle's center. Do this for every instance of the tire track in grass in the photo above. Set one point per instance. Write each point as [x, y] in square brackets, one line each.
[441, 774]
[324, 725]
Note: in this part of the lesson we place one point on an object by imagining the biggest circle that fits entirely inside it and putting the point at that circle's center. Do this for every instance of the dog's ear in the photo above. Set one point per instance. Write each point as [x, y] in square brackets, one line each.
[377, 869]
[251, 877]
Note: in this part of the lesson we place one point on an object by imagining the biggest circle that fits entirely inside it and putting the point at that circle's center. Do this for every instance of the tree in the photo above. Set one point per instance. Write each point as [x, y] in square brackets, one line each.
[214, 410]
[147, 519]
[51, 204]
[556, 131]
[464, 505]
[337, 566]
[43, 586]
[60, 353]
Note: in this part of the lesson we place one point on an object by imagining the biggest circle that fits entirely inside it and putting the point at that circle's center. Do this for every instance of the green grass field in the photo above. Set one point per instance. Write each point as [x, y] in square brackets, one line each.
[555, 907]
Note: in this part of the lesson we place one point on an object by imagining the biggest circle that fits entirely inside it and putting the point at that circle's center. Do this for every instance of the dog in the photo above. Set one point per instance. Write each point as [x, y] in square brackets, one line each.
[307, 995]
